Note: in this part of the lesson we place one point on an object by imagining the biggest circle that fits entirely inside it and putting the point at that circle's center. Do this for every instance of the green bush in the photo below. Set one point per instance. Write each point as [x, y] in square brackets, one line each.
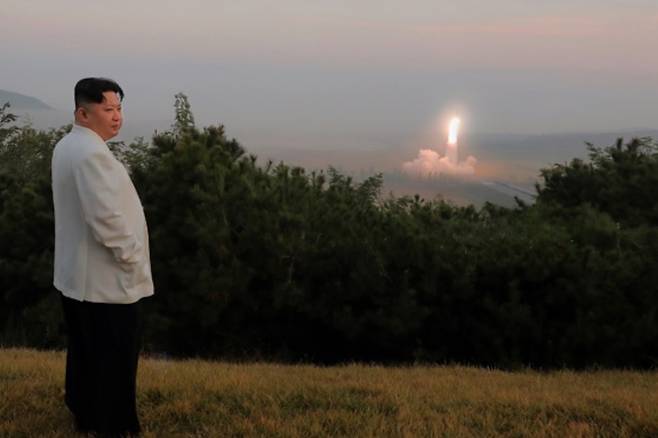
[268, 261]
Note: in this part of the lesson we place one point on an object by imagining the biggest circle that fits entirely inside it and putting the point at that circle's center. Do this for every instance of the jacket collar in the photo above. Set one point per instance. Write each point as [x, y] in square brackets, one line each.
[86, 131]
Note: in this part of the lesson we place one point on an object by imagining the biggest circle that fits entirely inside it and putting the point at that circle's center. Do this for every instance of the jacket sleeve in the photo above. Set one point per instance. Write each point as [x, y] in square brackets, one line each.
[99, 180]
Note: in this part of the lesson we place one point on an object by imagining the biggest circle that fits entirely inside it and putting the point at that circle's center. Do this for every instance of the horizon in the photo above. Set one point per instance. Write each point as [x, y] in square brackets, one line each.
[54, 117]
[508, 164]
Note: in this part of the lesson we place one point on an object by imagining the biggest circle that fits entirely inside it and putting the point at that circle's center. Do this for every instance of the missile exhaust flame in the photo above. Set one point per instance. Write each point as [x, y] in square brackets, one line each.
[430, 163]
[453, 131]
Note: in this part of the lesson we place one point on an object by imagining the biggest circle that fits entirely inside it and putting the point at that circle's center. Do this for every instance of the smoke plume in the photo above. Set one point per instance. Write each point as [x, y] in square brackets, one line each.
[431, 163]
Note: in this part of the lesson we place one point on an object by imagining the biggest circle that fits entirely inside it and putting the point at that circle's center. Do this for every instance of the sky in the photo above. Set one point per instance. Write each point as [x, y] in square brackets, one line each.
[353, 74]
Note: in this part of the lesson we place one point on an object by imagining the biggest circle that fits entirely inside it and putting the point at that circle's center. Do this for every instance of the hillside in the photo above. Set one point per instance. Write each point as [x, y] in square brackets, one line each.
[22, 102]
[201, 398]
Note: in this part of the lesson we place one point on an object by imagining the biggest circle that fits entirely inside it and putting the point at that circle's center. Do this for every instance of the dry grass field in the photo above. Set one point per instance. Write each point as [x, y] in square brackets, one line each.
[194, 398]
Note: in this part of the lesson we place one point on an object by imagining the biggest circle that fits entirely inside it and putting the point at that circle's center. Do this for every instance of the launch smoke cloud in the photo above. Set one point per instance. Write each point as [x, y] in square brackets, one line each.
[430, 163]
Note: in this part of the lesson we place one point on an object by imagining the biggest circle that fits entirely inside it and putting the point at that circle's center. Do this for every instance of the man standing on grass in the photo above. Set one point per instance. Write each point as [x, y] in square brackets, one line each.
[102, 264]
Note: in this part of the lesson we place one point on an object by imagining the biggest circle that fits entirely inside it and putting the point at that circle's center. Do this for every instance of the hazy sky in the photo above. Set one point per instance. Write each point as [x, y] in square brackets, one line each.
[356, 72]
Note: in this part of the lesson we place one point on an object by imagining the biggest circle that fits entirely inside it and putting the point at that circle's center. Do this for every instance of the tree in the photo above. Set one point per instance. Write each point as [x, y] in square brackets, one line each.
[621, 180]
[26, 234]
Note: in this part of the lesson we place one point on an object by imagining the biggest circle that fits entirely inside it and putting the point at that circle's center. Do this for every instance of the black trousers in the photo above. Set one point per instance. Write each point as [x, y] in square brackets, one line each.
[104, 341]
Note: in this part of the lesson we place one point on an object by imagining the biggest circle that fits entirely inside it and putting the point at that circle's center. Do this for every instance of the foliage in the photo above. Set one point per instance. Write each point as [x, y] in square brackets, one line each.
[621, 180]
[27, 311]
[266, 260]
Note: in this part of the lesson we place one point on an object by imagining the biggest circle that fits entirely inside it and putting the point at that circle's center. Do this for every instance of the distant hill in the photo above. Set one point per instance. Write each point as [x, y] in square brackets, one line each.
[22, 102]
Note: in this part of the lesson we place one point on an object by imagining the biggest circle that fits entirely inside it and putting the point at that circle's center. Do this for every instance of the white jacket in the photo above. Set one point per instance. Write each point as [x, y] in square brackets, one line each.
[101, 238]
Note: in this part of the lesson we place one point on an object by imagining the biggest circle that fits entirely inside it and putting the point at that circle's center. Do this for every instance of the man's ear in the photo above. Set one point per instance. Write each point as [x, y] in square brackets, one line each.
[81, 112]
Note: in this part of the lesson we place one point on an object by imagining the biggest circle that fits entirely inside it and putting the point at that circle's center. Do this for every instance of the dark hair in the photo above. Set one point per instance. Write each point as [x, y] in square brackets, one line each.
[90, 90]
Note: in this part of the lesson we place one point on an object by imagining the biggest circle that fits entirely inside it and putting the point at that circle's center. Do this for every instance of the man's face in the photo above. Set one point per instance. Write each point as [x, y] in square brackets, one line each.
[104, 118]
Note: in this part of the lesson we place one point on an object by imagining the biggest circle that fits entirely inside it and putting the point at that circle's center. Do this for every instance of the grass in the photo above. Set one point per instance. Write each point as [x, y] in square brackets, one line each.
[195, 398]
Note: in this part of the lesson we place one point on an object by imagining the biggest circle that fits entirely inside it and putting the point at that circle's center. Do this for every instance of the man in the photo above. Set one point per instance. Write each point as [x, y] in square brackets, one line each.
[102, 264]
